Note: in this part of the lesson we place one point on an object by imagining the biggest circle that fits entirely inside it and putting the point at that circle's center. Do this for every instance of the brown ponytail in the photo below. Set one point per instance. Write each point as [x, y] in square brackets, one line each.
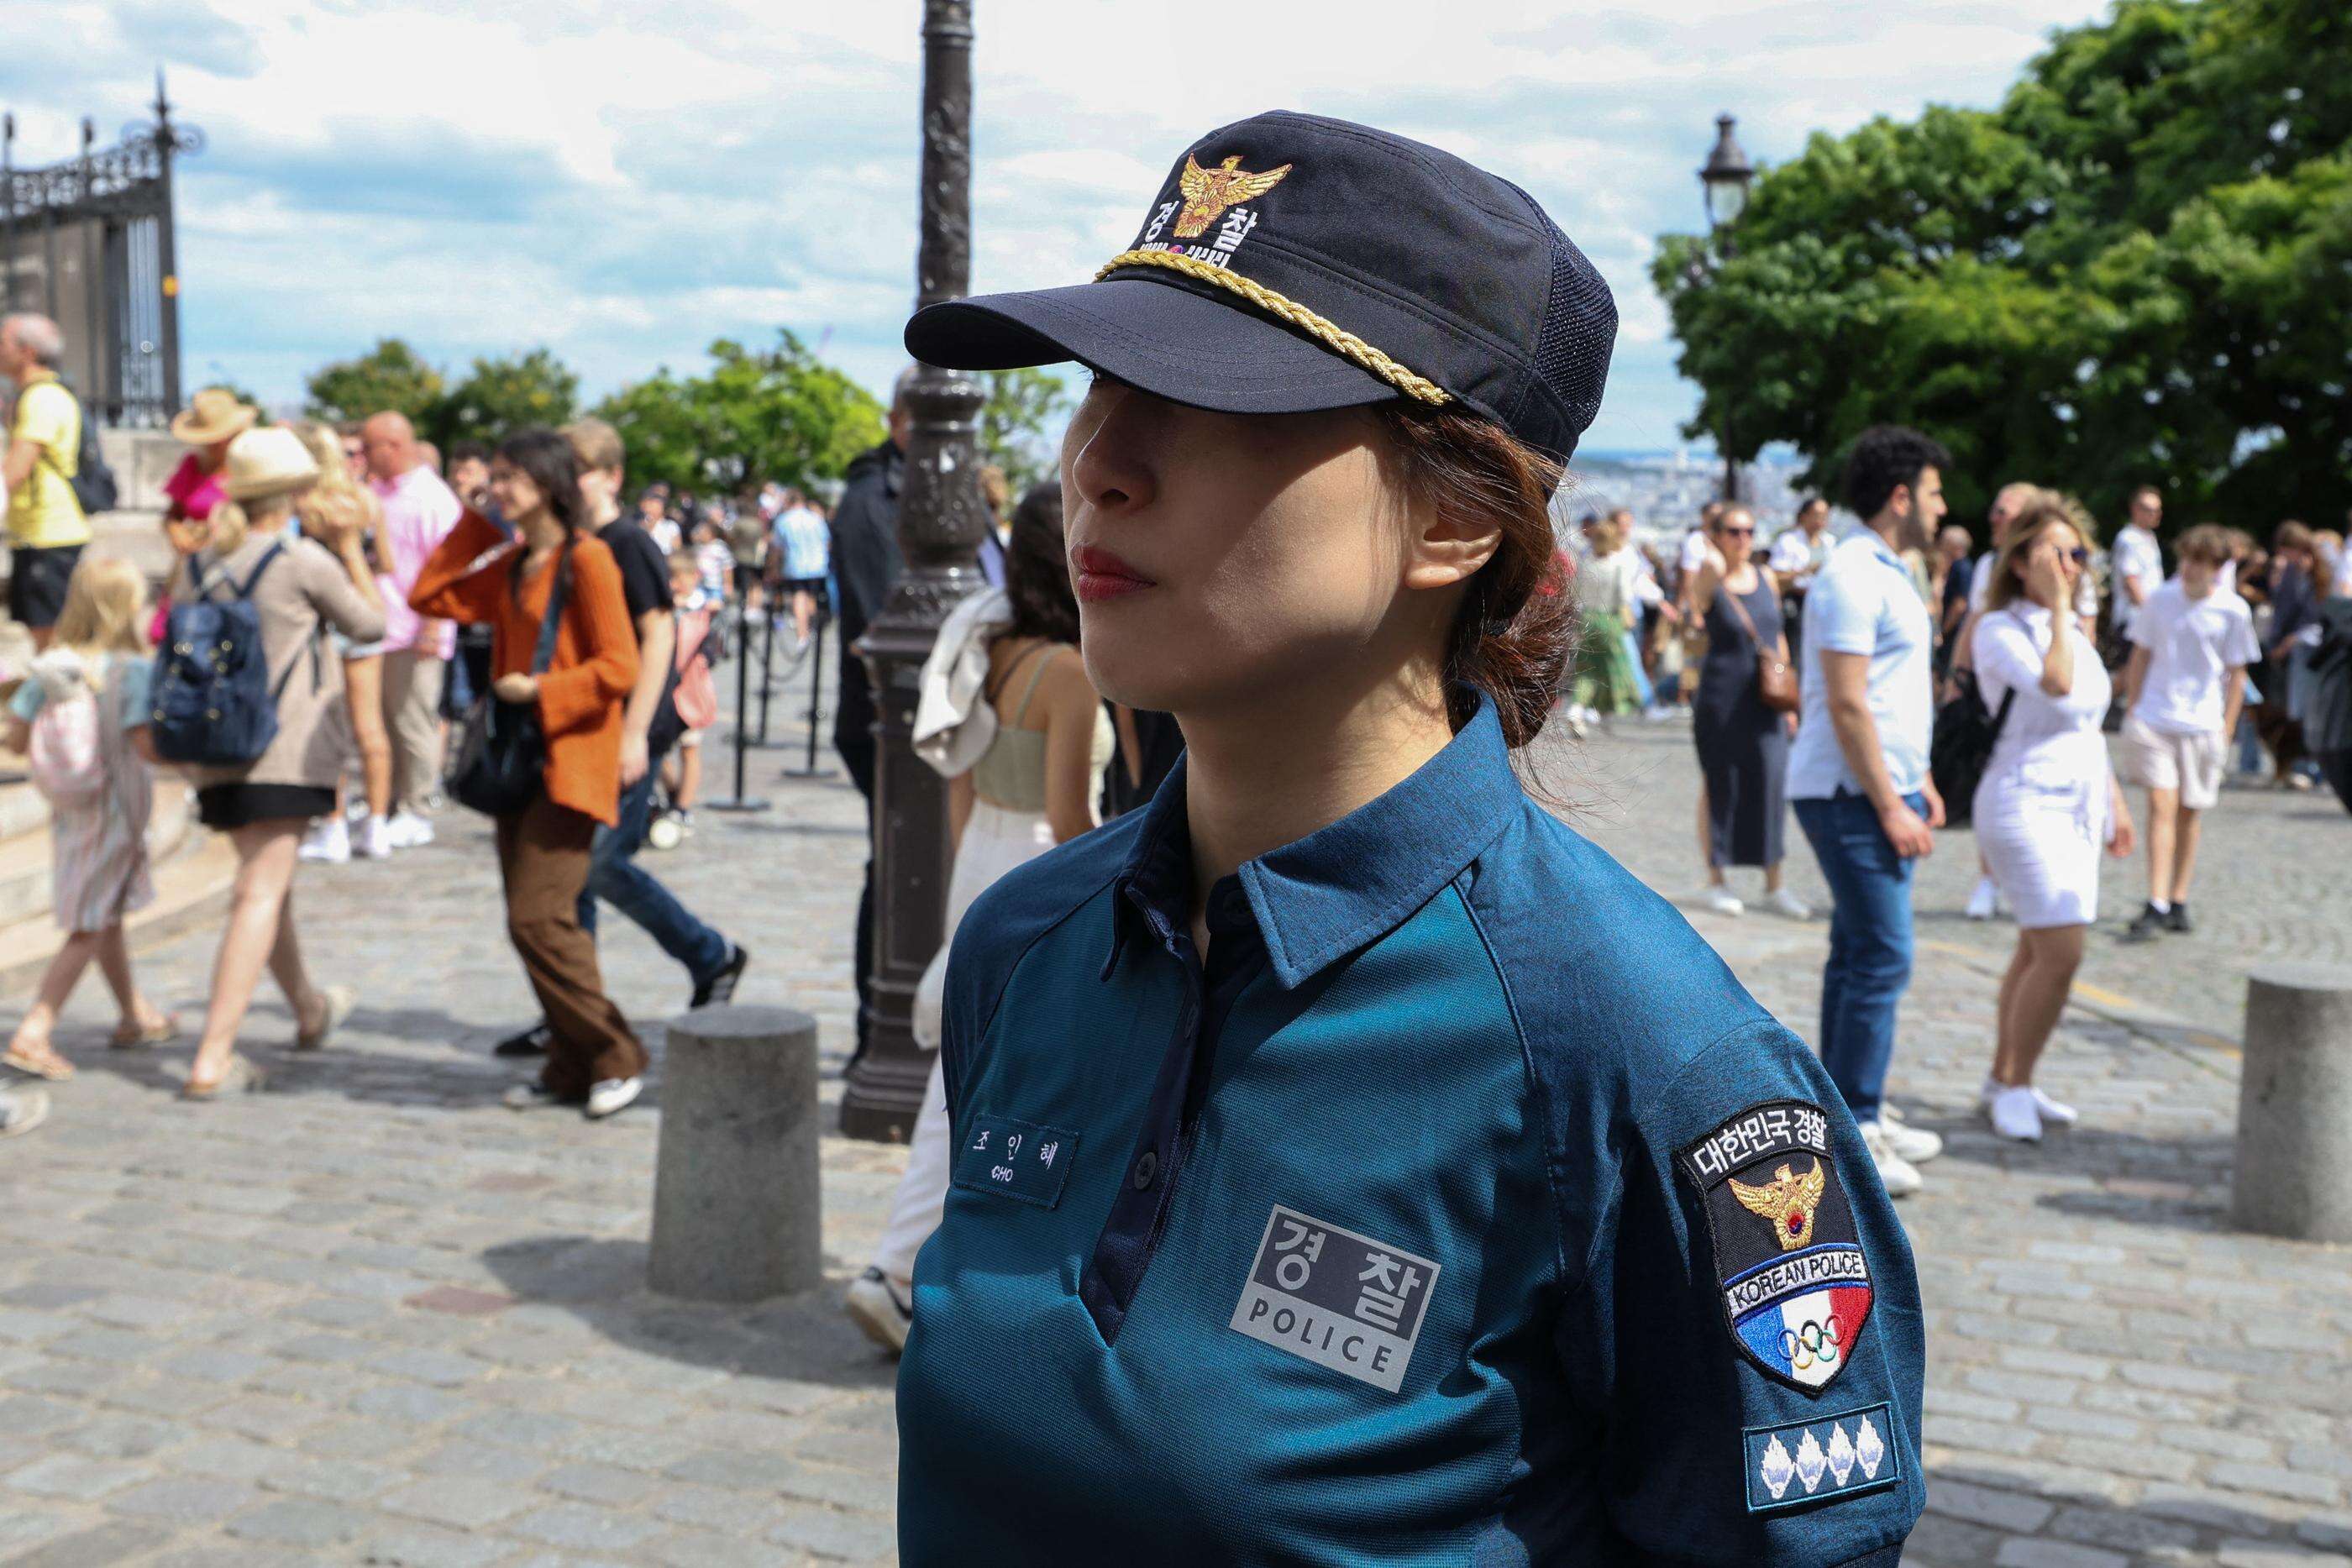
[1517, 629]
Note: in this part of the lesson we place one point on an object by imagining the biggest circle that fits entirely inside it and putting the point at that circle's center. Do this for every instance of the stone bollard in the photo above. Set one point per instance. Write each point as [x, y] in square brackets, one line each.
[736, 1211]
[2295, 1105]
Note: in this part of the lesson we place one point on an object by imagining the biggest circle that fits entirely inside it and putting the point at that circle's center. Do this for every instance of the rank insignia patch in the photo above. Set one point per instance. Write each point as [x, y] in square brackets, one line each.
[1796, 1287]
[1807, 1461]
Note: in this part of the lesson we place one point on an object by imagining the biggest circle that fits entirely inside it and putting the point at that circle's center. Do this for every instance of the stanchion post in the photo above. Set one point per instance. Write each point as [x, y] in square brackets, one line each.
[816, 687]
[767, 669]
[742, 710]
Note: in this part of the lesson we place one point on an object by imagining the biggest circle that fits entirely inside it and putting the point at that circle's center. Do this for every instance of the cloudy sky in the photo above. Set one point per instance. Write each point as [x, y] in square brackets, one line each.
[625, 181]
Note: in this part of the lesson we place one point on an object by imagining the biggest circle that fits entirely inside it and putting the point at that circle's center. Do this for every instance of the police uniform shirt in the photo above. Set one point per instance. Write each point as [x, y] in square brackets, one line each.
[1458, 1206]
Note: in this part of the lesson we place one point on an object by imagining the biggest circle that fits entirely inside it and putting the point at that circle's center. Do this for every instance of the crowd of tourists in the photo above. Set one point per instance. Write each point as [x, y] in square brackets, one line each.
[1815, 669]
[339, 617]
[1844, 679]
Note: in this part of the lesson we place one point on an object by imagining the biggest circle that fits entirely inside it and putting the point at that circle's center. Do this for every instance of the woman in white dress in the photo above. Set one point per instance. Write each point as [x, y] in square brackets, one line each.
[2049, 802]
[1008, 714]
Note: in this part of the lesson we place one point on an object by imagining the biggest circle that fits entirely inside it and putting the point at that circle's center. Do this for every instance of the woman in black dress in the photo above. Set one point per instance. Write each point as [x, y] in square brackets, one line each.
[1743, 746]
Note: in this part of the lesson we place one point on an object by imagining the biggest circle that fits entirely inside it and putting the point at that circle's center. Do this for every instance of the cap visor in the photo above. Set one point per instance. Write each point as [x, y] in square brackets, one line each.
[1167, 340]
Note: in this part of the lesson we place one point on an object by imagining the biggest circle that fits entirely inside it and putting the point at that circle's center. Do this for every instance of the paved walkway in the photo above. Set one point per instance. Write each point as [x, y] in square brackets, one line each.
[374, 1317]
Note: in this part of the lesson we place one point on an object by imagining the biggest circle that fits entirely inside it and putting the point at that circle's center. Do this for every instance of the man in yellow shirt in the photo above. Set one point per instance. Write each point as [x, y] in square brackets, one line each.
[47, 529]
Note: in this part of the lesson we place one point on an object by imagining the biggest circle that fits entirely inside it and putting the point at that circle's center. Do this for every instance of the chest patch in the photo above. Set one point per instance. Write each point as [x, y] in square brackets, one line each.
[1796, 1287]
[1335, 1298]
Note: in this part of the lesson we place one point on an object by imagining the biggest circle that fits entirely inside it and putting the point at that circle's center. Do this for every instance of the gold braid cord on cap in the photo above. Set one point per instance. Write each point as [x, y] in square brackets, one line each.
[1338, 340]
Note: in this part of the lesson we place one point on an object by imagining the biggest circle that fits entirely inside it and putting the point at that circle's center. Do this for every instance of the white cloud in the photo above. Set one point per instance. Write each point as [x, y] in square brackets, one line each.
[625, 183]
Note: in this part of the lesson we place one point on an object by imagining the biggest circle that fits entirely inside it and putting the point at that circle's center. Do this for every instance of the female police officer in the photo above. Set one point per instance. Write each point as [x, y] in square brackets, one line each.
[1353, 1163]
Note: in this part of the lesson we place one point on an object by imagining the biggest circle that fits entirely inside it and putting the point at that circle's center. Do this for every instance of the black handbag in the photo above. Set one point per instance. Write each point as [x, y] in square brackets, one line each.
[502, 754]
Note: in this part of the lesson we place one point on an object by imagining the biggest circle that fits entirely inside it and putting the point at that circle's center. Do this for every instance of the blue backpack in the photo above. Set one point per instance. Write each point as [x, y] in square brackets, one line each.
[211, 700]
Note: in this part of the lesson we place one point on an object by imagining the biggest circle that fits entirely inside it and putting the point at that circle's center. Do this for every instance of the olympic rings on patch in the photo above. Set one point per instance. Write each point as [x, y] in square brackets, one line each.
[1815, 1342]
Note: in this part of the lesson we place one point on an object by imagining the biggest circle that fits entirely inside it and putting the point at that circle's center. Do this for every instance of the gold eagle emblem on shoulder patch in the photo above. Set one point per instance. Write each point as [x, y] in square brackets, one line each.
[1209, 192]
[1788, 1201]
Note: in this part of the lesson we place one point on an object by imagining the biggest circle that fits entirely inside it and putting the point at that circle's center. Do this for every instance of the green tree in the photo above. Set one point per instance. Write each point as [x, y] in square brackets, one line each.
[777, 413]
[388, 376]
[1019, 421]
[2132, 270]
[502, 395]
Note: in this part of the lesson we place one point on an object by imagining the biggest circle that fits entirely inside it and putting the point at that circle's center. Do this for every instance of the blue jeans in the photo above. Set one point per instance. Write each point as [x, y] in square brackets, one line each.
[1869, 942]
[615, 876]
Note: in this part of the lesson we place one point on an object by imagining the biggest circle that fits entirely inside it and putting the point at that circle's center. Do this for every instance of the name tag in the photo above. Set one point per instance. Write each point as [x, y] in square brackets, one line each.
[1024, 1161]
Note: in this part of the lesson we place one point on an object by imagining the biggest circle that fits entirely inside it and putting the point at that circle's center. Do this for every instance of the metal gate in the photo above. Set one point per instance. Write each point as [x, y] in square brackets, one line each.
[88, 244]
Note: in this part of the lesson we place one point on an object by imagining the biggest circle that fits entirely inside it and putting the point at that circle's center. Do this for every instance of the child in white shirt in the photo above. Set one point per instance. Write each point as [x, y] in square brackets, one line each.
[2192, 640]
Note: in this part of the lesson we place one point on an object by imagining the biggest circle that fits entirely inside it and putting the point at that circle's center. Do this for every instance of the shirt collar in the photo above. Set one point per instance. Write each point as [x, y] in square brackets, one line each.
[1319, 898]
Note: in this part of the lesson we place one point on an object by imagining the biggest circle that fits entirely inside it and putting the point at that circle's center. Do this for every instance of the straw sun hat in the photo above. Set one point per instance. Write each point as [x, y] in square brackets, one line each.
[267, 462]
[214, 415]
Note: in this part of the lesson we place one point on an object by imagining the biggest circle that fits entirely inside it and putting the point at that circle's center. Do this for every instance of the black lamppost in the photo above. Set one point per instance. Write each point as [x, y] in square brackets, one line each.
[1723, 181]
[941, 515]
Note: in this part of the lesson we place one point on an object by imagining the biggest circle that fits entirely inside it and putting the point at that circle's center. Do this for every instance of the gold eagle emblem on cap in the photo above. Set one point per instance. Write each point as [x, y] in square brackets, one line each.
[1209, 192]
[1788, 1201]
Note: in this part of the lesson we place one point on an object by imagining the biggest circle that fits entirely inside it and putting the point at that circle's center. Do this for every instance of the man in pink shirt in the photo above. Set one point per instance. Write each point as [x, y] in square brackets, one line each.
[419, 510]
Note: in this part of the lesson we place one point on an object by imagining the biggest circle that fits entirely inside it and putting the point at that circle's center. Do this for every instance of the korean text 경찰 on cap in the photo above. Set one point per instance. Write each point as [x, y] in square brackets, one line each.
[1292, 263]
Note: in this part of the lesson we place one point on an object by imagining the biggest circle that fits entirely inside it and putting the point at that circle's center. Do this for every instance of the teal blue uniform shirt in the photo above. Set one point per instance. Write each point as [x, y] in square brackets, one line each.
[1456, 1207]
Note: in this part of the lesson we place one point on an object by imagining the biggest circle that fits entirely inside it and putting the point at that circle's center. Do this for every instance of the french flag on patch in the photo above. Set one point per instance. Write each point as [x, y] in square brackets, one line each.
[1805, 1338]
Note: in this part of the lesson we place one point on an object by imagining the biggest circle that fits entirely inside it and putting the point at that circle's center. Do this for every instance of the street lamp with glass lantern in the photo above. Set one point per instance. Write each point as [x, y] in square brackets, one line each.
[1723, 183]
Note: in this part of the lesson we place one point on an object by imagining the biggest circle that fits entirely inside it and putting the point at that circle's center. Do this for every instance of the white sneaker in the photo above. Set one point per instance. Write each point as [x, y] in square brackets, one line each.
[1721, 899]
[2053, 1113]
[374, 842]
[1900, 1176]
[1781, 901]
[2015, 1116]
[607, 1095]
[876, 1305]
[1984, 901]
[1916, 1145]
[329, 842]
[408, 830]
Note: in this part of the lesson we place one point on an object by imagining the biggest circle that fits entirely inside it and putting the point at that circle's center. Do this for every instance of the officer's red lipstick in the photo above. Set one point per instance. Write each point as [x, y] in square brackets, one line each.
[1099, 575]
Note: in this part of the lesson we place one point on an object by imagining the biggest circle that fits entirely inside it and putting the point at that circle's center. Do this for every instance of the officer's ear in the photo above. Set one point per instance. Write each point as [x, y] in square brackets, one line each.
[1446, 543]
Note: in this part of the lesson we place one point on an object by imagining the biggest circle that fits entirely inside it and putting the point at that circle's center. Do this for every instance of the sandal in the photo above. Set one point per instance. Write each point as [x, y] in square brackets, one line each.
[139, 1037]
[48, 1065]
[239, 1077]
[339, 1000]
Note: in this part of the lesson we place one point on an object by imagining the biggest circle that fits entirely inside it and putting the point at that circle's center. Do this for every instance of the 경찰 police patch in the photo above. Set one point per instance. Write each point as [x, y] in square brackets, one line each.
[1335, 1298]
[1796, 1287]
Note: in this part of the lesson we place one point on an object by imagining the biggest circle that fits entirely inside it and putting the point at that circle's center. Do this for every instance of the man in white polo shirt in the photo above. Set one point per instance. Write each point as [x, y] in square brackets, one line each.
[1858, 772]
[2135, 561]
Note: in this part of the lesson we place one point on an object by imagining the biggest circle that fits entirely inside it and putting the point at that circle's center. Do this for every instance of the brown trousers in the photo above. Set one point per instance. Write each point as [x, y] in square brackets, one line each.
[543, 859]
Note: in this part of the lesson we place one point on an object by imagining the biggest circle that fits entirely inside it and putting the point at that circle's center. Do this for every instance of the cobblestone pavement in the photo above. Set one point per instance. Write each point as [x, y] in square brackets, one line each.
[373, 1317]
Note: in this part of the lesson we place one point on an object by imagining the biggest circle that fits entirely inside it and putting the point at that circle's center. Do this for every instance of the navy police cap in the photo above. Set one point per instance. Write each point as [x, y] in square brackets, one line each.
[1292, 263]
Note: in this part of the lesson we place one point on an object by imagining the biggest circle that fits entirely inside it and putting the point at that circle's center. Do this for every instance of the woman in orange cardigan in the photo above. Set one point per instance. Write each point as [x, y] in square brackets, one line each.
[479, 575]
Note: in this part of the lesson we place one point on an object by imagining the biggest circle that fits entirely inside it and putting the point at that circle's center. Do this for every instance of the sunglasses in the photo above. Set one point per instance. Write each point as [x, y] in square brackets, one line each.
[1738, 533]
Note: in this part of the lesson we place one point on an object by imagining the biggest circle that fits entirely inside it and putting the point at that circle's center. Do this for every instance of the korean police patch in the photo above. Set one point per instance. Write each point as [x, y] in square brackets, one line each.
[1335, 1298]
[1796, 1287]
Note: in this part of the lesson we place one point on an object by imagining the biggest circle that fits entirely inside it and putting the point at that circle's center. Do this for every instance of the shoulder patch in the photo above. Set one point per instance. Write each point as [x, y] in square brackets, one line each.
[1796, 1287]
[1809, 1461]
